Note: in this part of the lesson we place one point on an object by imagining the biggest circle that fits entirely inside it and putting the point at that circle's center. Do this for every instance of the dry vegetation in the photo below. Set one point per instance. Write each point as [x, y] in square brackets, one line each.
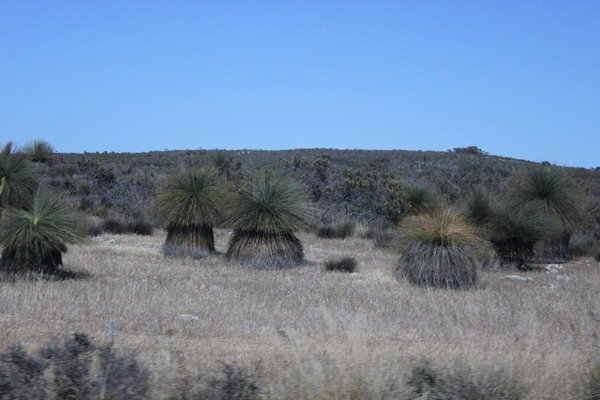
[308, 333]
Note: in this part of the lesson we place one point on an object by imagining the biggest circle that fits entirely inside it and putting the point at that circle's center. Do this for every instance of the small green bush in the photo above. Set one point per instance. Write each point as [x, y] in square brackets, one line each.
[345, 264]
[114, 226]
[139, 227]
[340, 230]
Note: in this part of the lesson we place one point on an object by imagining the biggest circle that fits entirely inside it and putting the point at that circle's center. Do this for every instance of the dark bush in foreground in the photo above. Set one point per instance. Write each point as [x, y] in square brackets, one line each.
[462, 383]
[346, 264]
[340, 230]
[439, 249]
[75, 369]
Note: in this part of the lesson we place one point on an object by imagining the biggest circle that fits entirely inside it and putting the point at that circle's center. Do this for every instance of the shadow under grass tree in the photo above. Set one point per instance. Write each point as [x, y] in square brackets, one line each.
[548, 190]
[264, 217]
[440, 249]
[34, 240]
[188, 206]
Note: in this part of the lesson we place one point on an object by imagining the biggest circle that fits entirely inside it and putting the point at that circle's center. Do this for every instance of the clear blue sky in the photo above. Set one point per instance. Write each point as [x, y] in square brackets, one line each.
[516, 78]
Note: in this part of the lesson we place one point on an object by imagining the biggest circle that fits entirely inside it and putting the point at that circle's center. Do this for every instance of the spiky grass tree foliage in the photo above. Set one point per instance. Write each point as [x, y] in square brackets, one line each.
[548, 190]
[188, 207]
[479, 208]
[419, 199]
[440, 249]
[18, 180]
[514, 233]
[34, 240]
[264, 218]
[39, 151]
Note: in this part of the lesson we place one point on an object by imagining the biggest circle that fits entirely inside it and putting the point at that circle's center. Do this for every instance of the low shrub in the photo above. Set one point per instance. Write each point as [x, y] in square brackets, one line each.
[345, 264]
[583, 245]
[339, 230]
[119, 227]
[140, 228]
[94, 226]
[74, 369]
[114, 226]
[591, 390]
[460, 382]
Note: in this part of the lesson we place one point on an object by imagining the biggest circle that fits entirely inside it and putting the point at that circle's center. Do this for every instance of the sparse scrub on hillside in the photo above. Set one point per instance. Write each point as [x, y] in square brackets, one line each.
[583, 244]
[440, 249]
[188, 206]
[34, 240]
[265, 217]
[344, 264]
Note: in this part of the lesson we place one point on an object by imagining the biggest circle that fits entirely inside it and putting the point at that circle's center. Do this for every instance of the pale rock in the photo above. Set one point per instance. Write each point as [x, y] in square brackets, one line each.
[519, 278]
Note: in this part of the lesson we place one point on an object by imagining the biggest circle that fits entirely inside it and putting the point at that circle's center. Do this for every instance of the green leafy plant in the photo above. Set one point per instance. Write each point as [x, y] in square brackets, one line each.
[419, 199]
[18, 179]
[34, 240]
[188, 207]
[264, 217]
[440, 249]
[345, 264]
[39, 151]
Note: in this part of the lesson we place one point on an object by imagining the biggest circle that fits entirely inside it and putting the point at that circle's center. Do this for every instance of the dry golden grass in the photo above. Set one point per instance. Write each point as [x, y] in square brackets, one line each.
[315, 333]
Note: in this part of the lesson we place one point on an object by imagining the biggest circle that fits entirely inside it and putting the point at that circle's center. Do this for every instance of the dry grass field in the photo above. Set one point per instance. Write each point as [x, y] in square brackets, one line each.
[309, 333]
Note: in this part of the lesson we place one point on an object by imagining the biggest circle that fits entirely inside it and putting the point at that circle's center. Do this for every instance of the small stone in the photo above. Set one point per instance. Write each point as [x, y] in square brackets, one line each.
[563, 278]
[189, 317]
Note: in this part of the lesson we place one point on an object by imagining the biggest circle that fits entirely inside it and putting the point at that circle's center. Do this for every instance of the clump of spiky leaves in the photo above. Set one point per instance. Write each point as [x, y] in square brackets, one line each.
[515, 233]
[548, 190]
[188, 207]
[39, 151]
[34, 240]
[264, 217]
[419, 199]
[440, 249]
[479, 208]
[18, 180]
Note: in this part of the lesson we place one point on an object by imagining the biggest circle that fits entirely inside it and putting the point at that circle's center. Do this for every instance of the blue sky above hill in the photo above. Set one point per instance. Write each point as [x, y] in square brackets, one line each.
[516, 78]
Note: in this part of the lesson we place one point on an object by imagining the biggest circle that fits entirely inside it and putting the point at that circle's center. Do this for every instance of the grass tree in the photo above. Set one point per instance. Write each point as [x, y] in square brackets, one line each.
[35, 239]
[188, 207]
[419, 199]
[548, 190]
[39, 151]
[18, 180]
[440, 249]
[265, 217]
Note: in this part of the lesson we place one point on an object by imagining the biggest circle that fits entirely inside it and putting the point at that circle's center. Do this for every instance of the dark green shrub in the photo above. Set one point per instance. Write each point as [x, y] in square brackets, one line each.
[439, 249]
[233, 383]
[21, 375]
[345, 264]
[264, 217]
[188, 206]
[18, 180]
[139, 227]
[419, 199]
[341, 230]
[34, 240]
[583, 244]
[39, 151]
[114, 226]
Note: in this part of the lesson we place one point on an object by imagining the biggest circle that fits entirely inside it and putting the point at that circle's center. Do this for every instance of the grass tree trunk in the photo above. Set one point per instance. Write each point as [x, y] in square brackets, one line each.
[189, 241]
[13, 260]
[262, 250]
